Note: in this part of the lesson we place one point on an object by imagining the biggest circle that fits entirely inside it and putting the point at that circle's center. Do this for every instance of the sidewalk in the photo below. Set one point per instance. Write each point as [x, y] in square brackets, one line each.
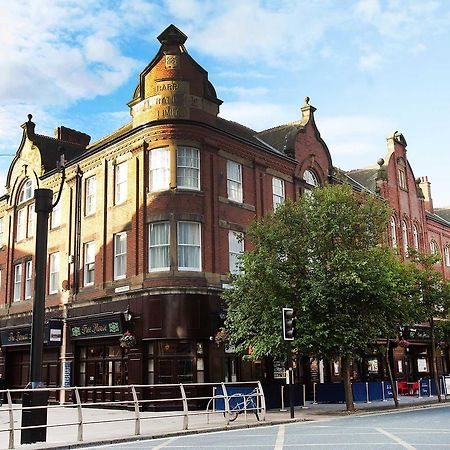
[158, 424]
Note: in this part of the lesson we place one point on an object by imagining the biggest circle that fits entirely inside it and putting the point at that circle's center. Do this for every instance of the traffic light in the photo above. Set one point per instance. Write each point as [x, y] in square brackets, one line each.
[288, 324]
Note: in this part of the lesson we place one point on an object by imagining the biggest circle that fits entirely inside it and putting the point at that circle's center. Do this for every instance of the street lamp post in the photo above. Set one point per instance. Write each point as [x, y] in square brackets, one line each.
[35, 397]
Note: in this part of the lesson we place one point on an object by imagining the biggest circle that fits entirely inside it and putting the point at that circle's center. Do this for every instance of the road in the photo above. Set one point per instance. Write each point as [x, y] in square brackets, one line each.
[419, 429]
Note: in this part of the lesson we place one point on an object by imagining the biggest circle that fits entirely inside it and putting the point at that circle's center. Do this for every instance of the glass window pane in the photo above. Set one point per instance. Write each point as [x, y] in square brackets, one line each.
[159, 246]
[159, 169]
[188, 163]
[189, 246]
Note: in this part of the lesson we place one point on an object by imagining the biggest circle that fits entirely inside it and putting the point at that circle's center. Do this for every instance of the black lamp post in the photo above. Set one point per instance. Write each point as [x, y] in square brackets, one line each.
[34, 397]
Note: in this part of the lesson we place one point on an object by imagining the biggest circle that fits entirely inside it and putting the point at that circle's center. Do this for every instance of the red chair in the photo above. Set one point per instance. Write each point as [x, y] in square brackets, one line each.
[403, 388]
[414, 388]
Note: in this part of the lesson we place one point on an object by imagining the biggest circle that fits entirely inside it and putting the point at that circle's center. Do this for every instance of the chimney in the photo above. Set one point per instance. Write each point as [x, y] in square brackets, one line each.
[425, 185]
[72, 136]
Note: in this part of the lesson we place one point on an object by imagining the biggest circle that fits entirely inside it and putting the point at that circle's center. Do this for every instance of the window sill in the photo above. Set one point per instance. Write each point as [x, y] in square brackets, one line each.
[238, 204]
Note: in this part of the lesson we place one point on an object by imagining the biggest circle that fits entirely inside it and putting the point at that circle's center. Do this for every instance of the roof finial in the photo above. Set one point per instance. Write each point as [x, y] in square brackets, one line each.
[30, 116]
[307, 100]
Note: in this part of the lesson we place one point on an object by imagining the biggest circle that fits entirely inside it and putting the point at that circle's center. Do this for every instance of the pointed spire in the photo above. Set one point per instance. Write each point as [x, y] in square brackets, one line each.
[172, 36]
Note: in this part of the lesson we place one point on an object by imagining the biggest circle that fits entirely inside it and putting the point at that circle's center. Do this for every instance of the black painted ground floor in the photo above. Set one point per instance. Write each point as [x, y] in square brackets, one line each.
[171, 339]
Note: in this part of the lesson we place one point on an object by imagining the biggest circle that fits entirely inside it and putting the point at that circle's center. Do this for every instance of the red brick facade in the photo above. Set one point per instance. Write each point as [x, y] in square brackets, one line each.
[174, 137]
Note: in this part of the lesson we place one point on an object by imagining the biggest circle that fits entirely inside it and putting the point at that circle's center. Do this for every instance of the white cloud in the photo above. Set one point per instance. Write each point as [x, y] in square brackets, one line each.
[354, 141]
[258, 115]
[370, 61]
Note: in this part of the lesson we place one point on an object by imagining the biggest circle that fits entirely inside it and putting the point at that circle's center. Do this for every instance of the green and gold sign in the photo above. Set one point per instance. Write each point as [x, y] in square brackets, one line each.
[96, 328]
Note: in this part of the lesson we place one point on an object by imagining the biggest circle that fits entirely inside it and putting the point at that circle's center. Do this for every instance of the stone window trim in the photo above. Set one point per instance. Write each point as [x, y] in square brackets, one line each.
[447, 255]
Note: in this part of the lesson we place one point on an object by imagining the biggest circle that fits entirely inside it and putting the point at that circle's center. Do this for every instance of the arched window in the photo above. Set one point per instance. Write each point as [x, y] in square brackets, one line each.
[415, 237]
[393, 233]
[27, 191]
[24, 225]
[310, 177]
[447, 255]
[433, 247]
[405, 237]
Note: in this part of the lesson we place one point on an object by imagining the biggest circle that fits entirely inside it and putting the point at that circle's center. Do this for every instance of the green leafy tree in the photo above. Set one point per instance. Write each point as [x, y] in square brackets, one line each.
[433, 293]
[321, 255]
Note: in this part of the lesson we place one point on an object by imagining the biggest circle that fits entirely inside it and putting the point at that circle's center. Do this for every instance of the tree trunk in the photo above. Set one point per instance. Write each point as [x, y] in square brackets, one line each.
[346, 368]
[391, 377]
[434, 362]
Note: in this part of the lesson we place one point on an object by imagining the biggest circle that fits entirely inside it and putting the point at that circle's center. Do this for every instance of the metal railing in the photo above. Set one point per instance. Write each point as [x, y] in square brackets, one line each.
[139, 399]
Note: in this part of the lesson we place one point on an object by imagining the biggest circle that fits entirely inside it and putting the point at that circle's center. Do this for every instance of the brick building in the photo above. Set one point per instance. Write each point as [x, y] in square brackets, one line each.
[148, 228]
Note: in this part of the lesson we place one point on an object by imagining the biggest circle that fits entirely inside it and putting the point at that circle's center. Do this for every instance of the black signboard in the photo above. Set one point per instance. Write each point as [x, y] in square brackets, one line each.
[22, 335]
[96, 328]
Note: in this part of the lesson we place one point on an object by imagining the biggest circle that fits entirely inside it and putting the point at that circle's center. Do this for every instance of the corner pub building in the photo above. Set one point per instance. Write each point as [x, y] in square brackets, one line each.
[149, 226]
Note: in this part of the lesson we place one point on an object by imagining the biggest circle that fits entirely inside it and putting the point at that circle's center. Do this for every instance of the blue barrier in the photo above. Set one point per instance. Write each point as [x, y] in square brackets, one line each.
[334, 392]
[330, 392]
[375, 390]
[236, 396]
[359, 392]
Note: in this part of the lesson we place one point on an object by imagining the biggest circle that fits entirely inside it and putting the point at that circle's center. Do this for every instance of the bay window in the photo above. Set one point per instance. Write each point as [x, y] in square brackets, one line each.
[188, 168]
[159, 246]
[159, 169]
[189, 247]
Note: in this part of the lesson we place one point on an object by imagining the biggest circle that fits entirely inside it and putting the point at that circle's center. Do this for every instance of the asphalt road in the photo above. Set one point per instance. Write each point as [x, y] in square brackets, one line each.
[420, 429]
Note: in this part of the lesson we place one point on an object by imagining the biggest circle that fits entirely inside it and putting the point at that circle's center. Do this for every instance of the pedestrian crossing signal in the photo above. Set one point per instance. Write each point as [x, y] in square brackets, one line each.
[288, 324]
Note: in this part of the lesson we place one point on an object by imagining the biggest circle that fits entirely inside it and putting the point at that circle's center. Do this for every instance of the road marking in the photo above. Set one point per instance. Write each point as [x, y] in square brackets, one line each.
[280, 438]
[396, 439]
[164, 444]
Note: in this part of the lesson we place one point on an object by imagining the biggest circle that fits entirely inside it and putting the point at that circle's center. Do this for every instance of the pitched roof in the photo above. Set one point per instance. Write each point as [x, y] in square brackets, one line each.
[281, 137]
[443, 213]
[364, 177]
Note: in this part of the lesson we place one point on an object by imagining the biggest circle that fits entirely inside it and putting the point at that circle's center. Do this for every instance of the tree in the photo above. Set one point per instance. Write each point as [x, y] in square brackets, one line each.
[321, 255]
[433, 293]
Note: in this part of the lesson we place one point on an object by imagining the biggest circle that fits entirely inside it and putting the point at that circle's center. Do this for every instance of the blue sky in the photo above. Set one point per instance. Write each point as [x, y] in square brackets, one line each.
[370, 67]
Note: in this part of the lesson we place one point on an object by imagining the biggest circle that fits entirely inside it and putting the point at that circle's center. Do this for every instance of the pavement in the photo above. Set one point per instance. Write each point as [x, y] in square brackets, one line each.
[107, 426]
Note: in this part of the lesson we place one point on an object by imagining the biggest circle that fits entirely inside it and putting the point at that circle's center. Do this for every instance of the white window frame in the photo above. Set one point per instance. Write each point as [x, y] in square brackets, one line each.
[89, 264]
[120, 256]
[55, 220]
[90, 187]
[234, 183]
[189, 163]
[433, 247]
[21, 225]
[28, 279]
[30, 220]
[158, 246]
[415, 237]
[193, 245]
[54, 268]
[17, 294]
[235, 249]
[121, 182]
[278, 192]
[393, 225]
[310, 178]
[2, 231]
[447, 255]
[159, 169]
[405, 237]
[26, 192]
